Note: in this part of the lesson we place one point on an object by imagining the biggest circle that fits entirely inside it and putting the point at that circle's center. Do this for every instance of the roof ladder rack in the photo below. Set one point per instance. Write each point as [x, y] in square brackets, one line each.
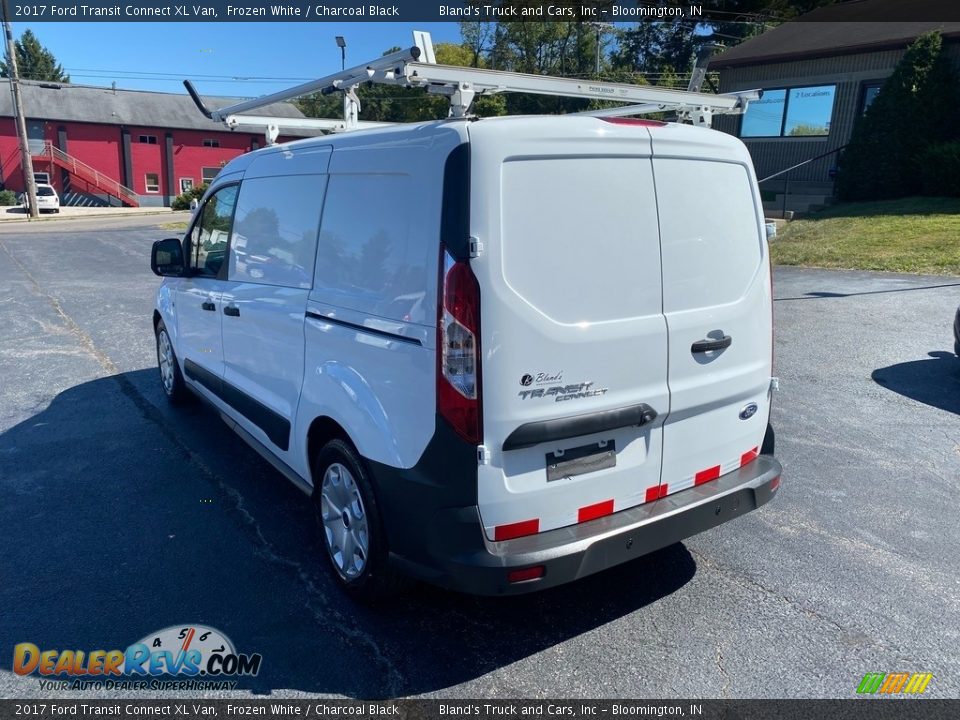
[417, 67]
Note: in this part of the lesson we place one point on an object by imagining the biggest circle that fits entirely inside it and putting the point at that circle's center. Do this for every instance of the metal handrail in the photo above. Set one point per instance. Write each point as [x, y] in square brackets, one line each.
[801, 164]
[787, 171]
[104, 182]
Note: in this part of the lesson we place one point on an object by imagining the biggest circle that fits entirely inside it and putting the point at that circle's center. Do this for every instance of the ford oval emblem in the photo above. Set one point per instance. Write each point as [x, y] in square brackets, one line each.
[748, 411]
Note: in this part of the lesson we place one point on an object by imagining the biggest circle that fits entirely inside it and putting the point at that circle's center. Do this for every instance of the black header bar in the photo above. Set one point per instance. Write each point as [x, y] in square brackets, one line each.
[558, 709]
[626, 11]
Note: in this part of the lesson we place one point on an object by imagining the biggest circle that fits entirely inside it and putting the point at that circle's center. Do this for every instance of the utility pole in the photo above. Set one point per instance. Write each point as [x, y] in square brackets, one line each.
[599, 27]
[26, 160]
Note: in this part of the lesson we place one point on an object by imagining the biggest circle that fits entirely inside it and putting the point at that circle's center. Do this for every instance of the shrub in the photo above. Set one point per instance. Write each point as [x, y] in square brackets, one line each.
[182, 201]
[8, 197]
[916, 107]
[940, 170]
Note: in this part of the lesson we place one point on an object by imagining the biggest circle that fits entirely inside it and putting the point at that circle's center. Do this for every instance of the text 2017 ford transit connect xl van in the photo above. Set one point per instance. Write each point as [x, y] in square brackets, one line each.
[499, 354]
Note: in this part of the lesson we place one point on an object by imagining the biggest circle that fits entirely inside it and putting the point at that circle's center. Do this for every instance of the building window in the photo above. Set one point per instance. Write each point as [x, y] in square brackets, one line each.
[790, 112]
[209, 173]
[870, 92]
[42, 178]
[211, 143]
[764, 117]
[186, 184]
[148, 139]
[152, 182]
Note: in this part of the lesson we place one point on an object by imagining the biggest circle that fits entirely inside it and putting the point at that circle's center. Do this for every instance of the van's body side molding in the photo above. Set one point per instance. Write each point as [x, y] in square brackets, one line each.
[534, 433]
[274, 425]
[363, 328]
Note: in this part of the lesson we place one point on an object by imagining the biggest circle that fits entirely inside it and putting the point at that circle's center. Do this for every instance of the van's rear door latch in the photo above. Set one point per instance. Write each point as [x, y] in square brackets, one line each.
[476, 247]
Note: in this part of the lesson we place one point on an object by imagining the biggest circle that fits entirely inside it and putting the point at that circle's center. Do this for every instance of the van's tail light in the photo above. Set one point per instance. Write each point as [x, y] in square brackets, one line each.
[458, 357]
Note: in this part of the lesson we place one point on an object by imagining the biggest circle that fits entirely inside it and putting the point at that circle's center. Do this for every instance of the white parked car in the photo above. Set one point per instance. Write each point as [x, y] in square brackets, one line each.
[47, 199]
[498, 354]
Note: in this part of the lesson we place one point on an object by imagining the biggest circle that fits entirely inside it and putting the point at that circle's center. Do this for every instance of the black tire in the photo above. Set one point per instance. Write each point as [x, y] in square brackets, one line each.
[175, 389]
[375, 580]
[956, 348]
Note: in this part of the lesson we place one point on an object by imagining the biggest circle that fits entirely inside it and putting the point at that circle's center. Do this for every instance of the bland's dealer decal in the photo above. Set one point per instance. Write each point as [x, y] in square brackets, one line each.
[183, 651]
[573, 391]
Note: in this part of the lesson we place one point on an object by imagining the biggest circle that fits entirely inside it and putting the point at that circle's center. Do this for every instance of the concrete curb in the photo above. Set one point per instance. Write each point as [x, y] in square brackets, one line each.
[93, 216]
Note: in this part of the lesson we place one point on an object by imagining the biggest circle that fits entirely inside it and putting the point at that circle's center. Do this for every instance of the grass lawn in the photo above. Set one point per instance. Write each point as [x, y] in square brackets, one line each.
[915, 235]
[178, 226]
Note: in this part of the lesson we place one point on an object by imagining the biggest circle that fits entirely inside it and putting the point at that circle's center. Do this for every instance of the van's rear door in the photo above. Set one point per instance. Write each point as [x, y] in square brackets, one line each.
[572, 328]
[716, 294]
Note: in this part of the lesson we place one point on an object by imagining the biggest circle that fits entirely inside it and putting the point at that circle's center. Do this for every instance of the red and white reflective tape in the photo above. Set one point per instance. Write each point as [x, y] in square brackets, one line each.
[706, 475]
[606, 507]
[517, 529]
[656, 492]
[597, 510]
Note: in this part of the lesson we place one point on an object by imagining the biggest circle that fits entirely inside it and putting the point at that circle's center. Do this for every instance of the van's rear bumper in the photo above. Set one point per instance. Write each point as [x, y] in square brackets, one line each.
[461, 558]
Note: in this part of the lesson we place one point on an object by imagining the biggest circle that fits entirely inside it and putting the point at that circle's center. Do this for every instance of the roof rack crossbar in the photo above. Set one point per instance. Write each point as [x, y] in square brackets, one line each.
[462, 84]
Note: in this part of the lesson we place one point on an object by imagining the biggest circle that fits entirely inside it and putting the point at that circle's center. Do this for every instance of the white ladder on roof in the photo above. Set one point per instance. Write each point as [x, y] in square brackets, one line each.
[417, 67]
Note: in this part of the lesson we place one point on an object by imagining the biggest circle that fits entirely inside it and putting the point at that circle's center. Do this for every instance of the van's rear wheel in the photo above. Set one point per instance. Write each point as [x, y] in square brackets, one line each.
[171, 378]
[349, 522]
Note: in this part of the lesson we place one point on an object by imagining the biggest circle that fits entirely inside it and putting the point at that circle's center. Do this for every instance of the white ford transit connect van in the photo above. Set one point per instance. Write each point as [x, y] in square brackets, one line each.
[499, 354]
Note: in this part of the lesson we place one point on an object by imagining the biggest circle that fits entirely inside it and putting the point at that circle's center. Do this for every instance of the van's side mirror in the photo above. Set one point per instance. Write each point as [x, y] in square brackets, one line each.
[166, 259]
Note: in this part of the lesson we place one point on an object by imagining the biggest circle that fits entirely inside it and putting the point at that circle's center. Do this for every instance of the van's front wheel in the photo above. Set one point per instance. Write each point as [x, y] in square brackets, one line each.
[171, 378]
[349, 522]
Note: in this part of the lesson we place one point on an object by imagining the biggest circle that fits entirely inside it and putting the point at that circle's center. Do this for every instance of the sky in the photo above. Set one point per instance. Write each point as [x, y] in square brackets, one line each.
[227, 59]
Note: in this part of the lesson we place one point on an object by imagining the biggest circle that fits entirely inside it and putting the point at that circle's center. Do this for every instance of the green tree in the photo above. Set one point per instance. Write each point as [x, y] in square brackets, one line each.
[34, 61]
[653, 48]
[390, 103]
[566, 49]
[918, 106]
[807, 130]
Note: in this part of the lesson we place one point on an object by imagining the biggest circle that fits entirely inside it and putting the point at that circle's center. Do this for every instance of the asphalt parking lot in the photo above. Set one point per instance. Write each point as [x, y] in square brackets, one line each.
[120, 516]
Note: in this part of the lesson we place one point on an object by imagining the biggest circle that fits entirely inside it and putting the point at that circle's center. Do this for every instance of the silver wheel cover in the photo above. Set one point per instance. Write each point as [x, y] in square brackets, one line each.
[344, 521]
[166, 360]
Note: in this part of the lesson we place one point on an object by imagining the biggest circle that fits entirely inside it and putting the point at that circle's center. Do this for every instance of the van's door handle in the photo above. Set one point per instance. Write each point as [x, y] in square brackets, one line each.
[702, 346]
[231, 311]
[207, 305]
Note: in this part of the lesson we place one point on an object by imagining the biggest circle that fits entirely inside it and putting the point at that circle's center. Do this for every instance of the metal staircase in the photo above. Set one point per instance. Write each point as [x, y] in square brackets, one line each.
[55, 157]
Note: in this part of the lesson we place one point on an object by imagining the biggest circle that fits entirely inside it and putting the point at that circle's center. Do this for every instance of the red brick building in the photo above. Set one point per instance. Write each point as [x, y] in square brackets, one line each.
[103, 146]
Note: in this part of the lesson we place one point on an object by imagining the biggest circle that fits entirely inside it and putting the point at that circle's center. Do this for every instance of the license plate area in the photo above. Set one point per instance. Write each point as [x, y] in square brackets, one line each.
[581, 460]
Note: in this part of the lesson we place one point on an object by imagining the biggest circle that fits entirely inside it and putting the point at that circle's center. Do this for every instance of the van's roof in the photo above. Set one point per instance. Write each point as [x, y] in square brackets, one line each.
[537, 125]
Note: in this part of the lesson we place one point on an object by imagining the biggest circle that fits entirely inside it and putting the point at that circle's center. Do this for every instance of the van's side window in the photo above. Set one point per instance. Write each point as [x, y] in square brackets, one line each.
[368, 259]
[275, 231]
[209, 236]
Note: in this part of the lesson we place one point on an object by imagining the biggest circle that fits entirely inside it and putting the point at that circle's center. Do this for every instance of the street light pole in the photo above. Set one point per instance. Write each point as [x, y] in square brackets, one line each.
[349, 109]
[597, 71]
[26, 161]
[342, 44]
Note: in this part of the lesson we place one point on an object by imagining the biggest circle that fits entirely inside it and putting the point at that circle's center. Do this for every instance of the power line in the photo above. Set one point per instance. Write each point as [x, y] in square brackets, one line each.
[176, 75]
